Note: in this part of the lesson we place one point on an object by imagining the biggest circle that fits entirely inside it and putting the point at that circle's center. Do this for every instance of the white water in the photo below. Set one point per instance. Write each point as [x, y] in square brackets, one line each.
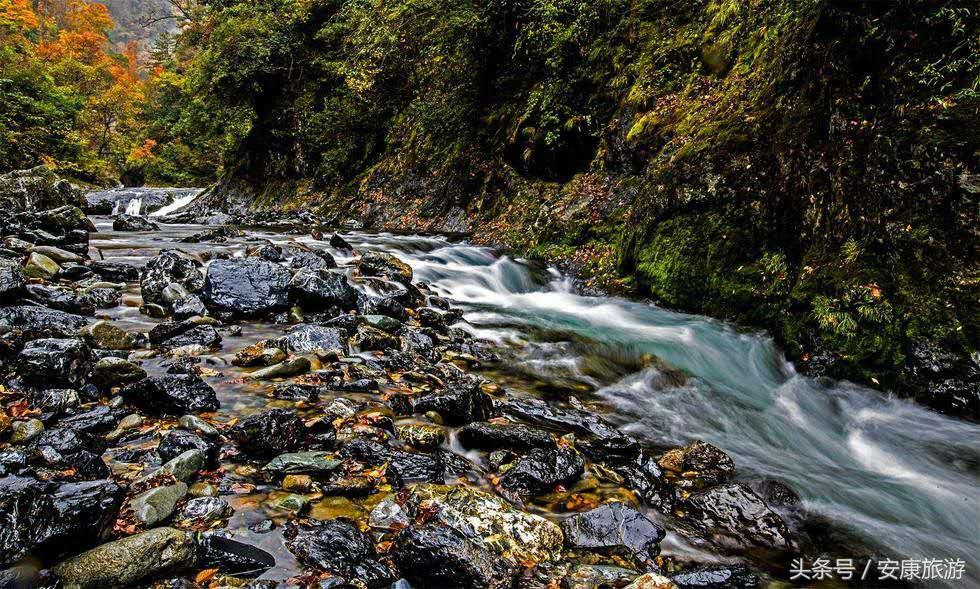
[133, 207]
[175, 206]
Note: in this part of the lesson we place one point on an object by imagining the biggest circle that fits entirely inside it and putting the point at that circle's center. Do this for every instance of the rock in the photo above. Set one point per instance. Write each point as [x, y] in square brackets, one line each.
[340, 243]
[11, 280]
[298, 483]
[40, 266]
[63, 299]
[269, 433]
[133, 223]
[157, 504]
[306, 338]
[462, 402]
[196, 424]
[99, 298]
[541, 469]
[111, 371]
[405, 467]
[423, 437]
[615, 529]
[38, 322]
[312, 260]
[41, 515]
[778, 494]
[336, 546]
[315, 290]
[494, 523]
[55, 402]
[36, 189]
[66, 227]
[385, 265]
[177, 441]
[115, 271]
[382, 322]
[188, 306]
[185, 333]
[169, 268]
[262, 353]
[25, 431]
[109, 336]
[652, 581]
[267, 251]
[292, 502]
[292, 367]
[541, 413]
[736, 516]
[216, 550]
[369, 338]
[431, 555]
[707, 464]
[589, 576]
[645, 477]
[318, 463]
[53, 361]
[717, 577]
[246, 287]
[128, 560]
[171, 394]
[98, 420]
[513, 436]
[206, 509]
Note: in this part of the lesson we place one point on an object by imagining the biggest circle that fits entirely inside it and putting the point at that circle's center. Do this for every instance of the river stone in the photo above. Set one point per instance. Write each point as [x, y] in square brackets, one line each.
[246, 287]
[542, 469]
[25, 431]
[171, 394]
[735, 516]
[124, 562]
[216, 550]
[461, 402]
[157, 504]
[423, 437]
[720, 576]
[335, 545]
[41, 321]
[114, 271]
[52, 516]
[269, 433]
[302, 462]
[316, 290]
[11, 280]
[109, 336]
[182, 467]
[36, 189]
[591, 576]
[615, 528]
[385, 265]
[514, 436]
[40, 266]
[382, 322]
[708, 465]
[177, 441]
[369, 339]
[517, 536]
[432, 555]
[206, 509]
[111, 371]
[54, 361]
[167, 268]
[126, 222]
[539, 412]
[292, 367]
[651, 581]
[59, 255]
[307, 338]
[196, 424]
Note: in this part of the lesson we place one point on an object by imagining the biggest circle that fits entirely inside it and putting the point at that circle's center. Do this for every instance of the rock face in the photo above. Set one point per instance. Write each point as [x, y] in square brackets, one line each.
[437, 556]
[36, 189]
[737, 517]
[269, 433]
[45, 515]
[126, 561]
[172, 394]
[246, 287]
[615, 528]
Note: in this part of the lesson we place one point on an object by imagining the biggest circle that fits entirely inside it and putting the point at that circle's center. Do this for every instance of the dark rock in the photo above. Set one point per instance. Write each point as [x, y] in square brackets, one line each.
[116, 271]
[61, 299]
[214, 235]
[736, 516]
[36, 189]
[618, 450]
[171, 394]
[269, 433]
[405, 467]
[109, 372]
[246, 287]
[541, 413]
[37, 322]
[232, 557]
[615, 529]
[316, 463]
[11, 280]
[100, 298]
[336, 545]
[184, 333]
[370, 338]
[322, 289]
[386, 306]
[206, 509]
[166, 269]
[385, 265]
[778, 494]
[717, 577]
[711, 464]
[74, 272]
[340, 243]
[438, 556]
[312, 260]
[514, 436]
[177, 441]
[54, 362]
[461, 402]
[98, 420]
[267, 251]
[306, 338]
[540, 470]
[54, 402]
[39, 515]
[133, 223]
[647, 478]
[189, 306]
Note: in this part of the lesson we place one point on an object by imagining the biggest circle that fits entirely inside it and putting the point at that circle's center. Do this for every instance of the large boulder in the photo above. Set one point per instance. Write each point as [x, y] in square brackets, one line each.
[542, 469]
[316, 290]
[133, 223]
[246, 287]
[269, 433]
[54, 361]
[166, 269]
[40, 515]
[171, 394]
[433, 555]
[385, 265]
[734, 516]
[615, 529]
[336, 546]
[36, 189]
[126, 561]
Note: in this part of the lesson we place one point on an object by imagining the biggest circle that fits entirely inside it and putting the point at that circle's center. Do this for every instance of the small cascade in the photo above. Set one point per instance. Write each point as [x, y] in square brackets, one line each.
[134, 206]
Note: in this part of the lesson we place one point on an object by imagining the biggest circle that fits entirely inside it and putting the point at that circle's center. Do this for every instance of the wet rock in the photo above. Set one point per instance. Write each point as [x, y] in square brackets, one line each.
[185, 333]
[717, 577]
[404, 467]
[307, 338]
[291, 367]
[38, 322]
[63, 299]
[182, 467]
[99, 298]
[133, 223]
[617, 450]
[540, 470]
[246, 287]
[25, 431]
[59, 255]
[111, 371]
[340, 243]
[36, 189]
[263, 353]
[206, 509]
[707, 464]
[541, 413]
[385, 307]
[124, 562]
[369, 338]
[461, 402]
[336, 546]
[778, 494]
[109, 336]
[318, 463]
[55, 402]
[171, 394]
[166, 269]
[589, 576]
[645, 477]
[115, 271]
[652, 581]
[269, 433]
[385, 265]
[437, 556]
[53, 361]
[157, 504]
[11, 280]
[382, 322]
[514, 436]
[40, 266]
[737, 517]
[615, 529]
[291, 502]
[100, 419]
[217, 550]
[423, 437]
[198, 425]
[177, 441]
[267, 251]
[312, 260]
[188, 306]
[50, 516]
[322, 289]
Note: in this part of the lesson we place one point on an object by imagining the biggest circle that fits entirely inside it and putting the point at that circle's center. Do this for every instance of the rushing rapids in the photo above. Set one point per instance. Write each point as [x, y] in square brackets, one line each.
[210, 332]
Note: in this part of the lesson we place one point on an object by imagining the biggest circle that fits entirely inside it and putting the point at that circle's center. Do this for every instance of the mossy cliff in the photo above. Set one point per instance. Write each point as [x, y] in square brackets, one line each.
[805, 166]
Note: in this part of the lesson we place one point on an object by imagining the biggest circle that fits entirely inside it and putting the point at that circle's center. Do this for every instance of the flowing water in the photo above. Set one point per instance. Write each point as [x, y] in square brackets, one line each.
[901, 478]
